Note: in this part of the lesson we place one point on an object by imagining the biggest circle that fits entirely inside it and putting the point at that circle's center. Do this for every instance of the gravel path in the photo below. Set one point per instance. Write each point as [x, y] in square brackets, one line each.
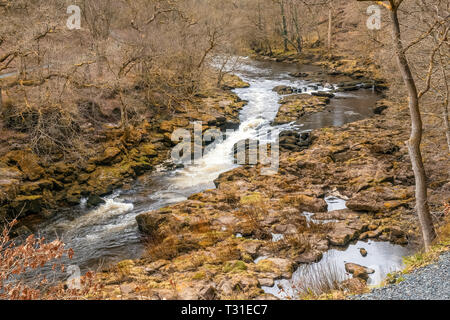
[428, 283]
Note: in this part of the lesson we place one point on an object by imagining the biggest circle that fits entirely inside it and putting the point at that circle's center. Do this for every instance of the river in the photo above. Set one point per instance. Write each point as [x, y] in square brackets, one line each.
[109, 233]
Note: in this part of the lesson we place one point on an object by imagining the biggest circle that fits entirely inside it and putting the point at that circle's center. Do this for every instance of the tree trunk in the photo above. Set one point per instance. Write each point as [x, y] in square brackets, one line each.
[124, 116]
[297, 30]
[445, 118]
[285, 32]
[415, 139]
[330, 25]
[100, 57]
[445, 103]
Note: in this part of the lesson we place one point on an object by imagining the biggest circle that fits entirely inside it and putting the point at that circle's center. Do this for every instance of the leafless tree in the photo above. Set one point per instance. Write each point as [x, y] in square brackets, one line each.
[415, 139]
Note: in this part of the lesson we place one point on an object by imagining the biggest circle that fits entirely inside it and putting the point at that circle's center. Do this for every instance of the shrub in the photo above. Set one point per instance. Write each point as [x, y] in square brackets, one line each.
[18, 260]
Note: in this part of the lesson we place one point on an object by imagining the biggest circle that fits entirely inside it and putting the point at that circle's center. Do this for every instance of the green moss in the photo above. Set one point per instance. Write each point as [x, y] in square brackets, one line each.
[247, 258]
[125, 264]
[421, 259]
[265, 266]
[237, 266]
[199, 276]
[394, 278]
[251, 199]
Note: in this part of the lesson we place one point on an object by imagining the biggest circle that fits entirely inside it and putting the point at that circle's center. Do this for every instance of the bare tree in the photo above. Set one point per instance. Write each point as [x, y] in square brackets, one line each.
[415, 139]
[284, 30]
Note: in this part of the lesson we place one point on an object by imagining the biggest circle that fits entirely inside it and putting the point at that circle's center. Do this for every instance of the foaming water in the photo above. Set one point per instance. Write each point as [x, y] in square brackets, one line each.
[109, 233]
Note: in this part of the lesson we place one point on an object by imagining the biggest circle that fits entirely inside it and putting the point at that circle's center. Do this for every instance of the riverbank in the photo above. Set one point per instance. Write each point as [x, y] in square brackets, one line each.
[427, 283]
[34, 188]
[232, 241]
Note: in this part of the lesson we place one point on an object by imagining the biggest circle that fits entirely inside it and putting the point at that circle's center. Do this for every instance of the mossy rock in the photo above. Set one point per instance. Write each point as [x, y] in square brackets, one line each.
[27, 162]
[234, 266]
[252, 198]
[125, 264]
[199, 275]
[148, 150]
[27, 204]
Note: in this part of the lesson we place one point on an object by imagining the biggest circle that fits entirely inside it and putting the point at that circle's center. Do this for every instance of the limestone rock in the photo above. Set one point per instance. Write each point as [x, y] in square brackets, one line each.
[109, 155]
[343, 233]
[358, 271]
[283, 90]
[250, 247]
[309, 256]
[27, 162]
[150, 222]
[363, 252]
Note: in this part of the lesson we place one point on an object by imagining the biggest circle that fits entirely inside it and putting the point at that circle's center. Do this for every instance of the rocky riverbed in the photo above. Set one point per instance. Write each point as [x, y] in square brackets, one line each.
[35, 189]
[253, 229]
[343, 180]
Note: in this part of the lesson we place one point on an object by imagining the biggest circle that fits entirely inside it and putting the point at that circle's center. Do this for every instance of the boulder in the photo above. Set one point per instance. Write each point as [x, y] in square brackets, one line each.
[397, 236]
[309, 256]
[294, 140]
[109, 155]
[293, 107]
[366, 205]
[266, 282]
[299, 74]
[149, 223]
[246, 151]
[231, 81]
[250, 247]
[323, 94]
[306, 203]
[370, 234]
[94, 201]
[281, 267]
[343, 232]
[104, 179]
[198, 291]
[358, 271]
[27, 204]
[347, 88]
[155, 266]
[237, 282]
[169, 126]
[148, 150]
[10, 179]
[27, 162]
[363, 252]
[34, 187]
[282, 90]
[344, 214]
[379, 108]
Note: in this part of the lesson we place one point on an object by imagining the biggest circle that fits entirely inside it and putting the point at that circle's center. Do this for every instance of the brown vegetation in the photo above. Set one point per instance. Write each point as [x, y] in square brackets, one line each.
[85, 111]
[17, 260]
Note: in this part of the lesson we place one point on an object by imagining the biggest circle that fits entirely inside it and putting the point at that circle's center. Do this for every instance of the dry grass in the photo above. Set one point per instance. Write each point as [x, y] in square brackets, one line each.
[254, 213]
[169, 248]
[442, 244]
[231, 195]
[317, 279]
